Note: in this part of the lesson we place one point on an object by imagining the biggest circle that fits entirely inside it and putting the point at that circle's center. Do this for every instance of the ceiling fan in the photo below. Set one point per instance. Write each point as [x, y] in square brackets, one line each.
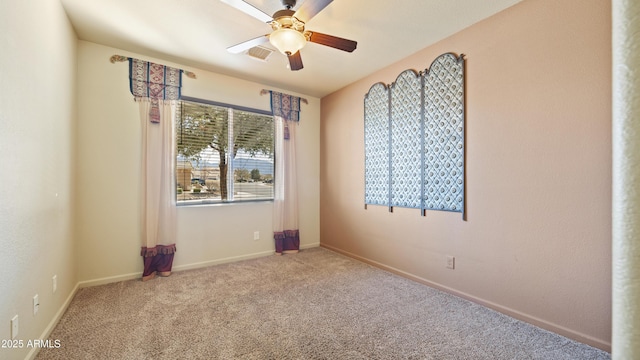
[289, 34]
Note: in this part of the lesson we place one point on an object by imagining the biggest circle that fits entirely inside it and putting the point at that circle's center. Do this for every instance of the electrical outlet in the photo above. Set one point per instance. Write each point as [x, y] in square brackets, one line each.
[14, 327]
[36, 304]
[55, 283]
[256, 235]
[451, 262]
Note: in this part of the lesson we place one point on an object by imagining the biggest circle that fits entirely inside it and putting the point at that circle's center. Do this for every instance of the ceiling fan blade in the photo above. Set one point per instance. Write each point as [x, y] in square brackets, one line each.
[237, 49]
[249, 10]
[332, 41]
[310, 8]
[295, 61]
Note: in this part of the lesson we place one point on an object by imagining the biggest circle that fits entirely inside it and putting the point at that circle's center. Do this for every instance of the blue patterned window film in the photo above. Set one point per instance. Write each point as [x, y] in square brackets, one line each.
[376, 134]
[444, 134]
[414, 139]
[406, 144]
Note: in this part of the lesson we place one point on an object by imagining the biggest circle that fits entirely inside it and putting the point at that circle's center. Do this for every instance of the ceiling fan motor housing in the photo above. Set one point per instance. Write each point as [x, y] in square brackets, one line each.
[284, 19]
[283, 14]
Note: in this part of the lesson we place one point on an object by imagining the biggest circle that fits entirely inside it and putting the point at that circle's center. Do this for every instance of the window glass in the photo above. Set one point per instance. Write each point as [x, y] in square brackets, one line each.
[224, 154]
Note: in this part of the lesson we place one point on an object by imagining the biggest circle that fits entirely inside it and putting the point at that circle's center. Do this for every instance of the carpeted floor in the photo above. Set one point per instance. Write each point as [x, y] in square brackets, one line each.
[312, 305]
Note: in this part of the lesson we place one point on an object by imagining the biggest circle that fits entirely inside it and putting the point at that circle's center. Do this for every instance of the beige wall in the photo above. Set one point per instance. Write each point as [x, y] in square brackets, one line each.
[109, 146]
[37, 121]
[537, 240]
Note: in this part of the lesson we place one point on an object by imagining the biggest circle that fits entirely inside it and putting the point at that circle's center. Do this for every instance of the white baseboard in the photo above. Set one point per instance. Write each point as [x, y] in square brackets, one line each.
[234, 259]
[110, 279]
[310, 246]
[226, 260]
[558, 329]
[52, 324]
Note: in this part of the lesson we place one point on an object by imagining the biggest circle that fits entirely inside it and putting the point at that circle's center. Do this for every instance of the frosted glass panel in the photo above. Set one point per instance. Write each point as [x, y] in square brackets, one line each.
[376, 145]
[444, 134]
[414, 139]
[406, 144]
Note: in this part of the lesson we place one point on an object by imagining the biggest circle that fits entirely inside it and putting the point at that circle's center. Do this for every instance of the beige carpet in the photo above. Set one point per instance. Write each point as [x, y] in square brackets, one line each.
[312, 305]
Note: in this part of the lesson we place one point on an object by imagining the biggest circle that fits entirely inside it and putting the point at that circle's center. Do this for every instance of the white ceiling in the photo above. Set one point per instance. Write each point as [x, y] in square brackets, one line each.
[196, 33]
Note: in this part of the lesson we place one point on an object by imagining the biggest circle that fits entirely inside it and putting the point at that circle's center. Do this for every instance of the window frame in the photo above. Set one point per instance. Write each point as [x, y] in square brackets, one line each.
[220, 202]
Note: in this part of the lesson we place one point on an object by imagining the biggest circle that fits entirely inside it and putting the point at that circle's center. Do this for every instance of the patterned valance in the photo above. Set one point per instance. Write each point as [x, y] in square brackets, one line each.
[147, 79]
[285, 106]
[154, 81]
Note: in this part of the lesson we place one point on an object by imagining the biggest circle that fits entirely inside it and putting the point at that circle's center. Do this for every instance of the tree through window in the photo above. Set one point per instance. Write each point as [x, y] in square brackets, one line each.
[223, 153]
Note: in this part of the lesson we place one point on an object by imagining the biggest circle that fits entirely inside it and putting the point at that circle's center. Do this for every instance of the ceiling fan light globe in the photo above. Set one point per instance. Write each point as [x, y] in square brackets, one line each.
[287, 41]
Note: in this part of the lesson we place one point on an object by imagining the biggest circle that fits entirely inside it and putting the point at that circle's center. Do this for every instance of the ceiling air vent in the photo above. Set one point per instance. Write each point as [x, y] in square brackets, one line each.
[259, 53]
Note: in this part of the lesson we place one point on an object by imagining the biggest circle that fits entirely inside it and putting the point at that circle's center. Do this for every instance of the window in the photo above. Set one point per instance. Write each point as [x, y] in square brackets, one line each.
[224, 153]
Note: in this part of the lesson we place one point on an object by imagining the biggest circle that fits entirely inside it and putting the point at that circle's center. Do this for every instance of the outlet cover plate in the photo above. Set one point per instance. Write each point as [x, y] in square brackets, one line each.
[14, 327]
[36, 304]
[451, 262]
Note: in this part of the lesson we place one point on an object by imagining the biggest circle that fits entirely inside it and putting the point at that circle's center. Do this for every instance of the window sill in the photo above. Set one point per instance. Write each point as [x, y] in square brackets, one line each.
[202, 203]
